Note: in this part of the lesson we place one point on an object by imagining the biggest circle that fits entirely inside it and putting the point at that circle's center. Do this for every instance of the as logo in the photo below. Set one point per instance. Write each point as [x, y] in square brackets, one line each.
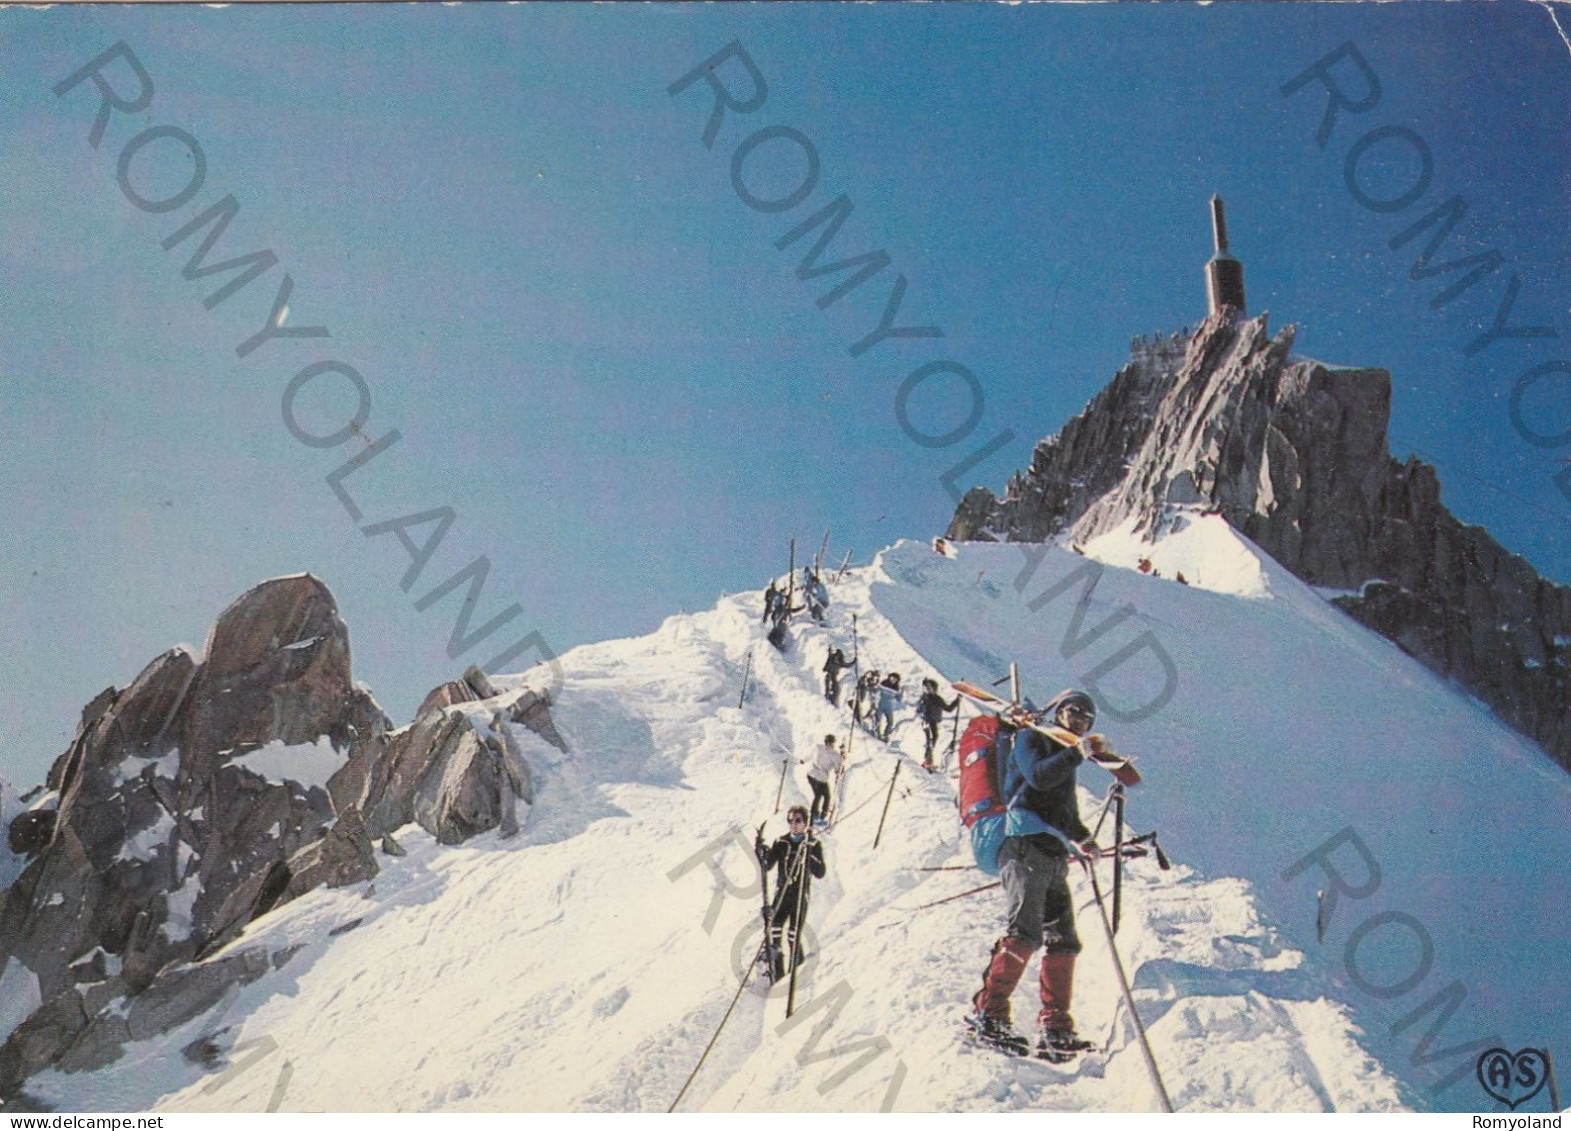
[1513, 1078]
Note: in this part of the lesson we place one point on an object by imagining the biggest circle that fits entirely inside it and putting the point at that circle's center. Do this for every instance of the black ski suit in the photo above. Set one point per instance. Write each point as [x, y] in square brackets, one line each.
[799, 860]
[778, 629]
[862, 697]
[931, 709]
[833, 666]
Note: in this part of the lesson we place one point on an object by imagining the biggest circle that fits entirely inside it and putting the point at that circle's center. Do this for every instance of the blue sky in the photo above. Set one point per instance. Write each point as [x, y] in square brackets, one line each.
[593, 351]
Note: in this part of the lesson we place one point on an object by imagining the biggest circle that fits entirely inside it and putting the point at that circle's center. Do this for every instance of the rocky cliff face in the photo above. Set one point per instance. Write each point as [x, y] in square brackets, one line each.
[1293, 454]
[208, 792]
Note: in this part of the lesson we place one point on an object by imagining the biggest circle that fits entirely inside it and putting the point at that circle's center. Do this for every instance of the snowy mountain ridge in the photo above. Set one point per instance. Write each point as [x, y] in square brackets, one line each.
[585, 963]
[1293, 454]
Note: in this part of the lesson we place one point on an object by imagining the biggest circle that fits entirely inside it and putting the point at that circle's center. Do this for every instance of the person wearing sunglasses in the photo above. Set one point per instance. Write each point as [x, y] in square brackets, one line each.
[1042, 829]
[799, 860]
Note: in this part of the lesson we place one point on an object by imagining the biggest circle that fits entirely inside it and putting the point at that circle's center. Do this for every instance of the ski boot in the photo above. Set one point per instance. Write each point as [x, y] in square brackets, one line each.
[990, 1032]
[765, 965]
[1059, 1046]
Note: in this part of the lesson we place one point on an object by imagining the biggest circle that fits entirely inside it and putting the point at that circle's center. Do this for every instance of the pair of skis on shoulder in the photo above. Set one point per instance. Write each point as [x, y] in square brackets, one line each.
[1116, 764]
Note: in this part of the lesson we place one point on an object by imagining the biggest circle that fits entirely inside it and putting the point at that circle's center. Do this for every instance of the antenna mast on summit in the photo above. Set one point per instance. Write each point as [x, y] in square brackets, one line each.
[1224, 274]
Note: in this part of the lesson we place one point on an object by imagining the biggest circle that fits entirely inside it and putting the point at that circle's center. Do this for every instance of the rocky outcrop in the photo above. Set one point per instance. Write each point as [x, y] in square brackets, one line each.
[161, 827]
[475, 686]
[86, 1027]
[444, 773]
[276, 669]
[343, 856]
[1085, 460]
[30, 831]
[19, 842]
[1293, 454]
[166, 837]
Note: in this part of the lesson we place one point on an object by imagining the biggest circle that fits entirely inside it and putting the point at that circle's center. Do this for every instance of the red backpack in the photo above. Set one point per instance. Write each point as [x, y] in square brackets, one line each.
[981, 792]
[982, 803]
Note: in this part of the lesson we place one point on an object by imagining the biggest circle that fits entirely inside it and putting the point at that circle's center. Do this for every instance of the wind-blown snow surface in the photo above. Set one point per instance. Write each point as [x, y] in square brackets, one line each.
[1208, 552]
[585, 963]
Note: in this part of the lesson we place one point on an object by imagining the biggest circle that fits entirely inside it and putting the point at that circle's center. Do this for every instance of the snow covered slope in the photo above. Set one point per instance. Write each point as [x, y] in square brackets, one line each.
[585, 963]
[1293, 730]
[1202, 548]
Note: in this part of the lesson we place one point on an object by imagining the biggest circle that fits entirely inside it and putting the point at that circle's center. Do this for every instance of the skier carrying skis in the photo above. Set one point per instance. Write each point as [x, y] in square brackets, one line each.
[833, 666]
[778, 629]
[771, 601]
[866, 696]
[931, 709]
[800, 860]
[1041, 828]
[822, 768]
[816, 595]
[889, 698]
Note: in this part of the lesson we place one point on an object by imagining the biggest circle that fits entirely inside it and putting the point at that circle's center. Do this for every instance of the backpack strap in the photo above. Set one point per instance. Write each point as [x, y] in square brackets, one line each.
[1013, 735]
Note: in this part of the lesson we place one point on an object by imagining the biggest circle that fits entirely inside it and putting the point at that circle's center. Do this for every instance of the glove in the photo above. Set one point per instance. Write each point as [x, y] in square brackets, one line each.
[1094, 746]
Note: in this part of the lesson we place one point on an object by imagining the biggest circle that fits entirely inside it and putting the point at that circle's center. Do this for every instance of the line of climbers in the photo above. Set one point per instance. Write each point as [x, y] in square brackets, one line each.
[1032, 832]
[780, 605]
[876, 696]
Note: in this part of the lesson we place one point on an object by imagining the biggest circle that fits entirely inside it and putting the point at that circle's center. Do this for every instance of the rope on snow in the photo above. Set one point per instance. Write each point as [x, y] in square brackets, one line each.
[1123, 985]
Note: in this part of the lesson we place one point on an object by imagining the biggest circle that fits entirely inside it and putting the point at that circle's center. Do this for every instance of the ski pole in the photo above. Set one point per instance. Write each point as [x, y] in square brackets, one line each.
[1118, 858]
[840, 775]
[785, 764]
[768, 912]
[954, 739]
[1123, 985]
[796, 947]
[791, 581]
[1549, 1071]
[747, 670]
[1162, 861]
[798, 918]
[1107, 804]
[1132, 848]
[962, 895]
[887, 799]
[840, 818]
